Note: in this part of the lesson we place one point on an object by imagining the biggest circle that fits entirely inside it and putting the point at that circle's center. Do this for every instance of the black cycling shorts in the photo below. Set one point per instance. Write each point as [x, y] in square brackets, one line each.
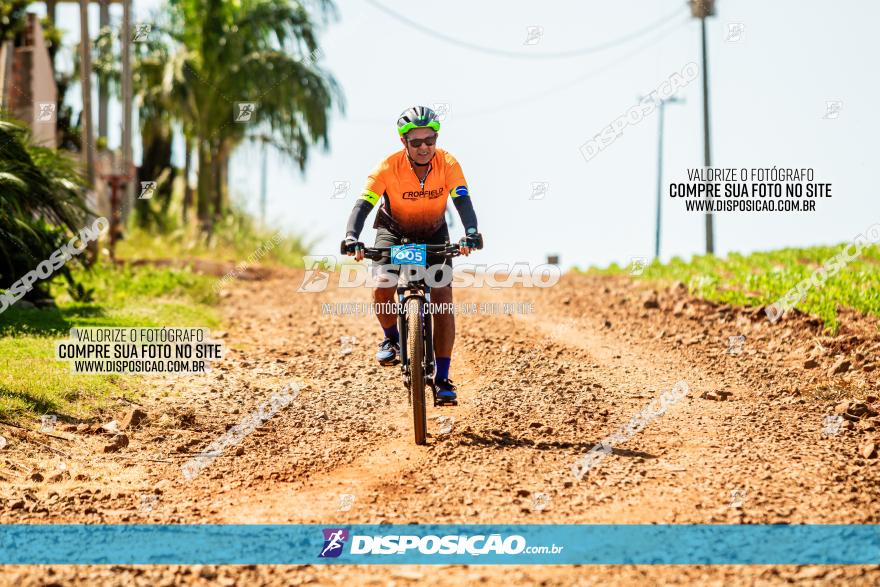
[385, 238]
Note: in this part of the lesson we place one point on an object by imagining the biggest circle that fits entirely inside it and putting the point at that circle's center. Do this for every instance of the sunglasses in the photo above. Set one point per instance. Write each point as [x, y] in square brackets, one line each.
[419, 142]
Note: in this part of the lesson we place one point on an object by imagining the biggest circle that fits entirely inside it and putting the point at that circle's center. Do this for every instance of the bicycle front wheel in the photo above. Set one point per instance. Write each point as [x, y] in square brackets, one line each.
[415, 347]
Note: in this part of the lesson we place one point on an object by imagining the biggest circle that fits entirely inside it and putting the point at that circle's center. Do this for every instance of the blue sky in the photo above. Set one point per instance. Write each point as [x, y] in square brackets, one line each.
[514, 121]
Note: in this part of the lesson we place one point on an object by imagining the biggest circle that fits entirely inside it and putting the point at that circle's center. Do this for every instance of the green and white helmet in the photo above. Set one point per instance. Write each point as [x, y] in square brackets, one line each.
[417, 117]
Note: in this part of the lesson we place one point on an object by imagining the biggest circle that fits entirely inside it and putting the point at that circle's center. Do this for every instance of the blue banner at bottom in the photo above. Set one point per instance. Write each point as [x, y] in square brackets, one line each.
[675, 544]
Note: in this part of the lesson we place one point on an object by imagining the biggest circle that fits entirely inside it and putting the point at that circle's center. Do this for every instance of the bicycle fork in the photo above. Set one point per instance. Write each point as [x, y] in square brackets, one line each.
[428, 335]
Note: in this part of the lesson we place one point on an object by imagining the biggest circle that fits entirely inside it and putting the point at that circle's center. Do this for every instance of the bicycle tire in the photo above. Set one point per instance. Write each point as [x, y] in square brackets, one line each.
[415, 346]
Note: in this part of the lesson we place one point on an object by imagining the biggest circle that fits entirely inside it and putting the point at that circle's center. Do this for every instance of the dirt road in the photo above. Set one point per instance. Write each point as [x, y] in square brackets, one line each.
[756, 440]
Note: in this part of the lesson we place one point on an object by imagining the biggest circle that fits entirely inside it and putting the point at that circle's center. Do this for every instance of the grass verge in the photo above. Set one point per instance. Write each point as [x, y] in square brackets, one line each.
[762, 278]
[33, 382]
[236, 239]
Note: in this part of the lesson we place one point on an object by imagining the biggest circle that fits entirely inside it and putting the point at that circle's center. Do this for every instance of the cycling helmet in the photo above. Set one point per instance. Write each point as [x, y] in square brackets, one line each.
[417, 117]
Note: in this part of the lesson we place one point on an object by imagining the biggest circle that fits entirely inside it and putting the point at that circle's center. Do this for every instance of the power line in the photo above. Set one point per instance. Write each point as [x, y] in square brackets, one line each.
[578, 80]
[517, 55]
[555, 89]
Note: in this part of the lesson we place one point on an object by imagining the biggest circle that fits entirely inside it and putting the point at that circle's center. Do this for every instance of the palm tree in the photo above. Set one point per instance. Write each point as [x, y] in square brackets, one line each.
[150, 64]
[39, 197]
[203, 58]
[13, 15]
[251, 51]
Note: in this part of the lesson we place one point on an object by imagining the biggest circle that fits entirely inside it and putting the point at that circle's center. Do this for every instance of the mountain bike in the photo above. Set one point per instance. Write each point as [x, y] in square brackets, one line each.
[414, 323]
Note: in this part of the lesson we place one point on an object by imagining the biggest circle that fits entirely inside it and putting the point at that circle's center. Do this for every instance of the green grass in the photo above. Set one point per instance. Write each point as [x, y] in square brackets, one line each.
[236, 239]
[762, 278]
[33, 382]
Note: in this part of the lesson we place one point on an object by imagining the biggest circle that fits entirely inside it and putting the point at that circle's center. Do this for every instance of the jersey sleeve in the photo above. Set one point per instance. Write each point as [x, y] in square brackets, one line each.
[456, 186]
[375, 186]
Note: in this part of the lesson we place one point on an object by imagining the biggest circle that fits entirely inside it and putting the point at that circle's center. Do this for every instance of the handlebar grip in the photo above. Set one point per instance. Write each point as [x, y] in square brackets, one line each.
[372, 254]
[346, 247]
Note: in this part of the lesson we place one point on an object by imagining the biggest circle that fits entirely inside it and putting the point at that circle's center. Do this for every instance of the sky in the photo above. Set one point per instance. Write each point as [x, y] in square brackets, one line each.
[517, 116]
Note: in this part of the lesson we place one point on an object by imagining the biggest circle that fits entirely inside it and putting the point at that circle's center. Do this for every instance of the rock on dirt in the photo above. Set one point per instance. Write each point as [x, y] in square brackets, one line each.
[111, 427]
[119, 442]
[839, 367]
[811, 363]
[868, 450]
[841, 408]
[717, 396]
[133, 419]
[59, 476]
[866, 425]
[854, 409]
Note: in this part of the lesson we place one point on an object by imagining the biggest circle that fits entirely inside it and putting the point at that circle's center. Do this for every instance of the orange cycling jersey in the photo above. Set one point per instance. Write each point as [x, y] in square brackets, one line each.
[410, 206]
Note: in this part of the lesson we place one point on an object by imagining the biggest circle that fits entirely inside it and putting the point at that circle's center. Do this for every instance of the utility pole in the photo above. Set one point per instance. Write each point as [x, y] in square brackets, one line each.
[103, 90]
[87, 139]
[127, 99]
[662, 108]
[701, 9]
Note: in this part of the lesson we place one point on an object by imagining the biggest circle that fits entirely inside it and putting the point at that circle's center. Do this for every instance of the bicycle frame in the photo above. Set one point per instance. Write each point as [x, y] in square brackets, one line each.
[409, 290]
[416, 289]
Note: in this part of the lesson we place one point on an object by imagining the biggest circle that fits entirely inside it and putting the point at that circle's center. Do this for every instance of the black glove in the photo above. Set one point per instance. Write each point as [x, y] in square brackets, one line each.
[473, 240]
[350, 245]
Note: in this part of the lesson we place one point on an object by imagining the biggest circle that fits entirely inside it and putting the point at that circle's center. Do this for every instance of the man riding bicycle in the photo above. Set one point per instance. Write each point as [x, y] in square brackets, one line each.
[414, 184]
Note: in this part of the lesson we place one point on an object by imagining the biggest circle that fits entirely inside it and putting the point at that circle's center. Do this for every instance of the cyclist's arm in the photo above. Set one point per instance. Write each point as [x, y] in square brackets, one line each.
[458, 191]
[465, 208]
[369, 196]
[359, 214]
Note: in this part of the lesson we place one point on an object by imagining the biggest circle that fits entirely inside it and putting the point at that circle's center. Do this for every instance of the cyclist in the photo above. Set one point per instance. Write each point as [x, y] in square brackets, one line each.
[414, 184]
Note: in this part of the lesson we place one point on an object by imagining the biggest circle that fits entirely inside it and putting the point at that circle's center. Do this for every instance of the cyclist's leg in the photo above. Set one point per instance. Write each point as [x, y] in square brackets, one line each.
[444, 338]
[383, 293]
[384, 298]
[444, 321]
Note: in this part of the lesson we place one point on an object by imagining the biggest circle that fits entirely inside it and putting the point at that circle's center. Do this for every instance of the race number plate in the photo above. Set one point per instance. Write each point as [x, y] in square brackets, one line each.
[409, 255]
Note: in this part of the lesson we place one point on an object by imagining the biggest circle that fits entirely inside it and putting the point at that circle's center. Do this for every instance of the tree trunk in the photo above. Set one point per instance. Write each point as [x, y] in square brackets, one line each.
[187, 189]
[156, 138]
[221, 175]
[224, 180]
[218, 192]
[204, 187]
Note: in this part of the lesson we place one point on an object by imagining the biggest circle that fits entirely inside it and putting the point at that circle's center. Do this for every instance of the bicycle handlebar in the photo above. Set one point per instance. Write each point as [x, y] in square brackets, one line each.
[445, 250]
